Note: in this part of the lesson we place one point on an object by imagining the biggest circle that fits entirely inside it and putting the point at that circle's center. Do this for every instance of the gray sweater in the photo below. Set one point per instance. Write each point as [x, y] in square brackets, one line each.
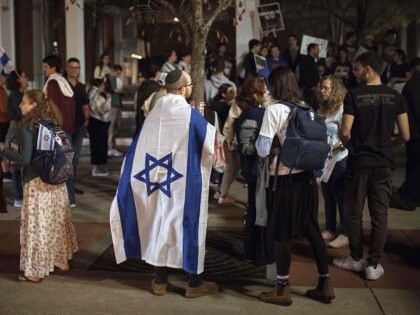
[24, 156]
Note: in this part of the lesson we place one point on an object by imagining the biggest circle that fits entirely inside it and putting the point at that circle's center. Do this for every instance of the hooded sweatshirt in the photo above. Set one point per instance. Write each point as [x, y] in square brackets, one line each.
[211, 87]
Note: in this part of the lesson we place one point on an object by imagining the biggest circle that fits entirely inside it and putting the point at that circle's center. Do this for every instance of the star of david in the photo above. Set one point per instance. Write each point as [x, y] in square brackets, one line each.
[171, 176]
[46, 137]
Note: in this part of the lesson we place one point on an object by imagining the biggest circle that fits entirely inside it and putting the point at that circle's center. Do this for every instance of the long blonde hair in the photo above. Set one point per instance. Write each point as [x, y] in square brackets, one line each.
[334, 102]
[45, 110]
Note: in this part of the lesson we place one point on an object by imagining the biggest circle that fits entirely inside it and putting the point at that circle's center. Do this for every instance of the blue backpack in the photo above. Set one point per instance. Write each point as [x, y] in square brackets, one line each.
[305, 146]
[55, 166]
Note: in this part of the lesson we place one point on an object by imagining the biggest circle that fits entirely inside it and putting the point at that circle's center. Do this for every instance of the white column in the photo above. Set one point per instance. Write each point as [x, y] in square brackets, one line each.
[75, 35]
[7, 28]
[246, 30]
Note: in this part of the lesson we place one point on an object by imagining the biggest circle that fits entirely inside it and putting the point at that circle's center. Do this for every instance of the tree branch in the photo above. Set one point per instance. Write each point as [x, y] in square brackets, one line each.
[176, 14]
[333, 13]
[222, 7]
[170, 8]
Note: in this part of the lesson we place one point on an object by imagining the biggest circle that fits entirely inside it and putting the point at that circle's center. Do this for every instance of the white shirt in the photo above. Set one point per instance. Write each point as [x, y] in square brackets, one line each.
[274, 124]
[333, 122]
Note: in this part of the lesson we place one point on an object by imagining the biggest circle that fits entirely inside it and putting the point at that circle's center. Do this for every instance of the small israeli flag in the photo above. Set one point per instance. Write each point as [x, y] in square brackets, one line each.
[7, 65]
[45, 139]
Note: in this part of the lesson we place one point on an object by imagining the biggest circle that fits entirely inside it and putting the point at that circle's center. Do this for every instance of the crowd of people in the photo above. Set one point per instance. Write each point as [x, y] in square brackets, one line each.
[365, 103]
[366, 97]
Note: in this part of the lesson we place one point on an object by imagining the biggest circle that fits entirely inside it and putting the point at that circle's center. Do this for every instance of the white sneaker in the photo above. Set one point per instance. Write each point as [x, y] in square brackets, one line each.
[339, 242]
[349, 263]
[216, 195]
[374, 273]
[72, 205]
[114, 152]
[99, 172]
[18, 204]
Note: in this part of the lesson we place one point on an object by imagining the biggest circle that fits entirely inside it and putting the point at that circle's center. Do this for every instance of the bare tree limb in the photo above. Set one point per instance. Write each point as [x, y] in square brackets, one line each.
[170, 8]
[222, 7]
[333, 13]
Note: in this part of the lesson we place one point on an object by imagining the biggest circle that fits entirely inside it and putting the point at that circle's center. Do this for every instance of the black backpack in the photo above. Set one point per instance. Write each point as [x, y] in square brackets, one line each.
[305, 146]
[55, 166]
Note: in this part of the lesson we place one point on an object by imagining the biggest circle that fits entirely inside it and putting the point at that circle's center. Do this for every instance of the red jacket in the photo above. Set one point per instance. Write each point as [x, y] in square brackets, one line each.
[66, 105]
[4, 116]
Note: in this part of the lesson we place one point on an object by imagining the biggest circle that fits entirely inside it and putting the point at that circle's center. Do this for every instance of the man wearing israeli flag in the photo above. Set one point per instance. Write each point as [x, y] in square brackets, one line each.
[159, 213]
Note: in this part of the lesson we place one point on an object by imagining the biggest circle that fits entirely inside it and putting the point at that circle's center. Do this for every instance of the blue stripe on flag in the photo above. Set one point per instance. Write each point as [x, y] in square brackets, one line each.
[127, 207]
[4, 59]
[196, 138]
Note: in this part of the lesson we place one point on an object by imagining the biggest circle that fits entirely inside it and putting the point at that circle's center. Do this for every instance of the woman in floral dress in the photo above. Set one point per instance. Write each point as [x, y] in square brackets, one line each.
[47, 235]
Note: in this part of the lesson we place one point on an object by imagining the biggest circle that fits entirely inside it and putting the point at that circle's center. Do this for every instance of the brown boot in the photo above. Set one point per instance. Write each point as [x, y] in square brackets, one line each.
[323, 293]
[206, 288]
[158, 289]
[280, 295]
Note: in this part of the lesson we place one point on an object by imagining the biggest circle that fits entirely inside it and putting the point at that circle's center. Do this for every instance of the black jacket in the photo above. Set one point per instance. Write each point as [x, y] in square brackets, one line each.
[308, 72]
[411, 92]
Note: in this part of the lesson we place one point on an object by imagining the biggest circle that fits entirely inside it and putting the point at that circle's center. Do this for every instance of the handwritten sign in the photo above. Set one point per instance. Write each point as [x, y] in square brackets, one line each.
[322, 43]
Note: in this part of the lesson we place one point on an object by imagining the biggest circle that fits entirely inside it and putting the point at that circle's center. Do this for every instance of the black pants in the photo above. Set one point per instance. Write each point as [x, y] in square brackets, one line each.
[283, 252]
[410, 190]
[375, 183]
[98, 138]
[162, 274]
[334, 197]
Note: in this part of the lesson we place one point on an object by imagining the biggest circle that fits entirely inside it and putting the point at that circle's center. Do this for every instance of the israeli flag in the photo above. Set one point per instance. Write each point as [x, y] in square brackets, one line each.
[7, 65]
[159, 213]
[45, 139]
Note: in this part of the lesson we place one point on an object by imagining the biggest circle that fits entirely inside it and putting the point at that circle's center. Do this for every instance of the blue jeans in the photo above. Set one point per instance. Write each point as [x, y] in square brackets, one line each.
[334, 196]
[77, 139]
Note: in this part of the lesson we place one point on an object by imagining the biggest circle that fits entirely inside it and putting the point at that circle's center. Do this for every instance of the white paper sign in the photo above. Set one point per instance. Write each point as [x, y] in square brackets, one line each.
[322, 43]
[260, 62]
[328, 168]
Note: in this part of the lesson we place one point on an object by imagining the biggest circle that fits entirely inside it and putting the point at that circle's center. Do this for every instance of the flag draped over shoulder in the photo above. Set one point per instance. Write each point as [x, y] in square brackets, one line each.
[159, 213]
[5, 63]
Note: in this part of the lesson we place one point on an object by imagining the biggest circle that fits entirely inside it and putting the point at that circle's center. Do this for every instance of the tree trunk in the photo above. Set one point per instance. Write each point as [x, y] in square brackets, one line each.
[199, 37]
[362, 6]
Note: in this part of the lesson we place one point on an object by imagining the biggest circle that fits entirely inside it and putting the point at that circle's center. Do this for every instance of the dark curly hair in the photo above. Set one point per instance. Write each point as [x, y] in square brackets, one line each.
[12, 81]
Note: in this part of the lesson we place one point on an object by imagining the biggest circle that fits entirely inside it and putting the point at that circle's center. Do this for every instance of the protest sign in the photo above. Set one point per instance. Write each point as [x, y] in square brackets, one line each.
[270, 17]
[322, 43]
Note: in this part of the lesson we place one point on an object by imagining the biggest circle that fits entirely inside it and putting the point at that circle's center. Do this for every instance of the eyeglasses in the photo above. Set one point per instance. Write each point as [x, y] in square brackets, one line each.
[191, 84]
[76, 68]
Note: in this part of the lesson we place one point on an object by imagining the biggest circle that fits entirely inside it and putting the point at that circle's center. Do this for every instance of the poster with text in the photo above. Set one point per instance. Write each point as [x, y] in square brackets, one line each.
[322, 43]
[260, 62]
[270, 17]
